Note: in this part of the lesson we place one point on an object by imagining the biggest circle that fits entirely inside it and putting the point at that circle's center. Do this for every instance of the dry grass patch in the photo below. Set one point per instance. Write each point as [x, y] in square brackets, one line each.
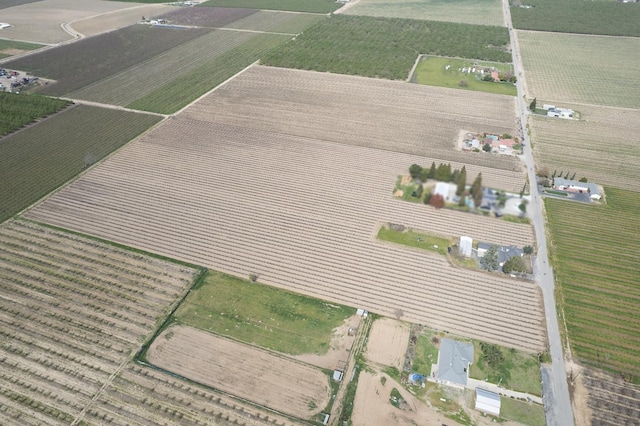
[581, 68]
[387, 343]
[114, 20]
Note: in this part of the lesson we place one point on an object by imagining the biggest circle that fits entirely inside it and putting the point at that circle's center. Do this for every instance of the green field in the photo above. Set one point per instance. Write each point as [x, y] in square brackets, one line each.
[412, 238]
[312, 6]
[477, 12]
[578, 68]
[578, 16]
[432, 71]
[277, 22]
[426, 353]
[261, 315]
[39, 159]
[19, 45]
[177, 94]
[522, 412]
[594, 251]
[362, 45]
[19, 110]
[519, 371]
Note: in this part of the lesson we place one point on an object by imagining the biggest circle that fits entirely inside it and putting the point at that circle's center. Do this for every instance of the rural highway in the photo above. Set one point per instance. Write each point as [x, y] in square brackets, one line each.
[558, 410]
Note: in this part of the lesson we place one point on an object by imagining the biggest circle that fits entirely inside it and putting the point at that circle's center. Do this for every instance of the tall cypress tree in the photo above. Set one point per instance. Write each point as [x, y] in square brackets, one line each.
[462, 181]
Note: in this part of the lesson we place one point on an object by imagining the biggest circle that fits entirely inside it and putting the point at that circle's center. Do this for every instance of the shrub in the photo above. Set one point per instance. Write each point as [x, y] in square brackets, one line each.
[436, 201]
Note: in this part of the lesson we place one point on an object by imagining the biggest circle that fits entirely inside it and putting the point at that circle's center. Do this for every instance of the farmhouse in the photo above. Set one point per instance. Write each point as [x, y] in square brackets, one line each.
[568, 185]
[454, 359]
[487, 402]
[504, 252]
[552, 111]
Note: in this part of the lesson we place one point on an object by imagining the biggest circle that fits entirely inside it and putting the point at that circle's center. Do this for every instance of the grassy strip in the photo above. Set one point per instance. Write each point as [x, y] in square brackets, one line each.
[522, 412]
[178, 94]
[362, 45]
[432, 71]
[19, 110]
[579, 16]
[554, 192]
[605, 278]
[20, 45]
[312, 6]
[426, 354]
[43, 157]
[265, 316]
[412, 238]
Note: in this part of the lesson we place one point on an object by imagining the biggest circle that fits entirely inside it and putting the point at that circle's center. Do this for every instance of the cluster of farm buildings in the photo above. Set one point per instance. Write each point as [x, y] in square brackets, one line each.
[495, 144]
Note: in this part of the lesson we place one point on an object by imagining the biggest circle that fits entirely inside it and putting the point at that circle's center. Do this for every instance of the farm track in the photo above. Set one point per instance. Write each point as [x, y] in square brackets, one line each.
[301, 213]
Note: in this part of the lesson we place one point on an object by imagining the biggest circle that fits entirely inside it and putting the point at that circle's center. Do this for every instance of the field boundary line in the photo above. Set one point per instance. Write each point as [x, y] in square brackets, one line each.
[214, 89]
[413, 68]
[249, 31]
[575, 34]
[110, 106]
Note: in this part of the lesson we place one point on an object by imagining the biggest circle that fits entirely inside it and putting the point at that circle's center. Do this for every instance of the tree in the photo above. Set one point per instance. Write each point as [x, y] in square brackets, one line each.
[463, 83]
[523, 207]
[515, 264]
[491, 354]
[502, 199]
[486, 147]
[415, 171]
[424, 175]
[566, 176]
[463, 200]
[437, 201]
[432, 170]
[528, 249]
[573, 176]
[532, 105]
[462, 181]
[418, 191]
[490, 259]
[443, 172]
[583, 180]
[427, 198]
[476, 190]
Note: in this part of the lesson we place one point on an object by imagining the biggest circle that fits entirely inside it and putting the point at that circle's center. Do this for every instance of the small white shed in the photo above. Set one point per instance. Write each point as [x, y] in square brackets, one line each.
[487, 402]
[466, 245]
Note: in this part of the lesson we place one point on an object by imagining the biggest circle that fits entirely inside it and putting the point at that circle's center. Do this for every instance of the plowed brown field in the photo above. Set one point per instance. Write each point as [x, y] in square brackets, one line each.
[299, 212]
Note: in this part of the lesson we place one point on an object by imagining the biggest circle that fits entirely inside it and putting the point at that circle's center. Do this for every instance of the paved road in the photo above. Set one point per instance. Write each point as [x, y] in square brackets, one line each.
[557, 402]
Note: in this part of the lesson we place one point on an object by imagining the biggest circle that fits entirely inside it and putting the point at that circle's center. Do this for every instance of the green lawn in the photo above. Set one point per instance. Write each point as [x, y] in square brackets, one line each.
[522, 412]
[519, 371]
[261, 315]
[362, 45]
[412, 238]
[433, 71]
[477, 12]
[20, 45]
[578, 16]
[312, 6]
[426, 354]
[594, 253]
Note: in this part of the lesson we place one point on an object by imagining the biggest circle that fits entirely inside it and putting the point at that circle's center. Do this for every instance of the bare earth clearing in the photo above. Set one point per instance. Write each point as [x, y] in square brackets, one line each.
[300, 213]
[372, 405]
[601, 146]
[388, 341]
[40, 22]
[117, 19]
[246, 371]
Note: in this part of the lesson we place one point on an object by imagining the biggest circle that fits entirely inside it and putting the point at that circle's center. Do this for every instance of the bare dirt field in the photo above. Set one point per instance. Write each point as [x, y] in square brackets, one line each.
[602, 146]
[299, 212]
[388, 341]
[612, 401]
[260, 376]
[40, 22]
[113, 20]
[373, 407]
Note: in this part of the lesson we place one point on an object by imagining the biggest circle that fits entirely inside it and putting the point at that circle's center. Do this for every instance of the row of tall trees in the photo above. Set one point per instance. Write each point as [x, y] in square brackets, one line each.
[445, 173]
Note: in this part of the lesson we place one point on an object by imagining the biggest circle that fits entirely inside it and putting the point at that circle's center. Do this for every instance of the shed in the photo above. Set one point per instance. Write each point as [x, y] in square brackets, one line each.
[487, 402]
[453, 361]
[338, 375]
[466, 244]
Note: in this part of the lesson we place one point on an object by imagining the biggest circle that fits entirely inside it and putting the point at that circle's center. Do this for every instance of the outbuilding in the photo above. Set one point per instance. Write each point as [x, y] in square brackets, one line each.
[487, 402]
[466, 245]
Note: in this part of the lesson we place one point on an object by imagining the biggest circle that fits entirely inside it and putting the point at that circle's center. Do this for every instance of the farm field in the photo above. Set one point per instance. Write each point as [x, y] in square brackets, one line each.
[563, 68]
[598, 288]
[477, 12]
[601, 146]
[209, 17]
[429, 118]
[12, 3]
[40, 21]
[612, 401]
[432, 71]
[577, 16]
[10, 48]
[73, 311]
[311, 6]
[285, 235]
[278, 22]
[360, 45]
[254, 374]
[79, 64]
[387, 342]
[17, 111]
[117, 19]
[66, 144]
[261, 315]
